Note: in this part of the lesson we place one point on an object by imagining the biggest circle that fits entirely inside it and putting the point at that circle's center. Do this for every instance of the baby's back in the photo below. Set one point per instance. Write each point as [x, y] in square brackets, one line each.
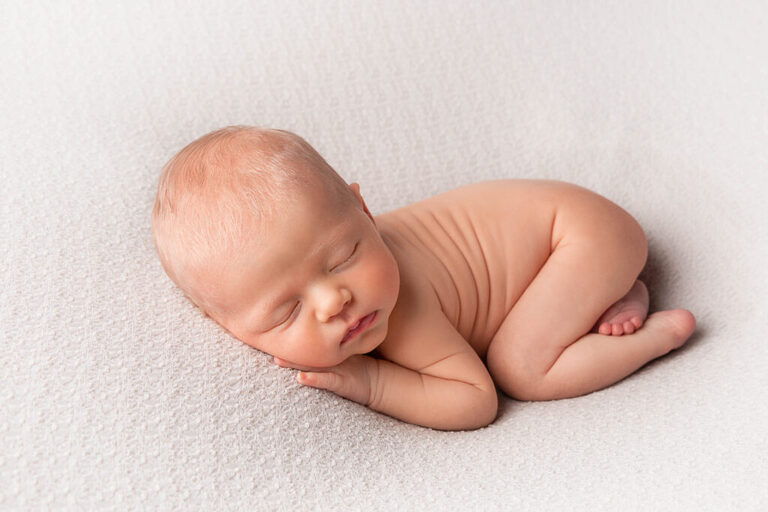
[476, 248]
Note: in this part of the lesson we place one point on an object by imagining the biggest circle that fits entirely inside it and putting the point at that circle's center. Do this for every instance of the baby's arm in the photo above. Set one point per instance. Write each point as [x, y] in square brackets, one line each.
[431, 376]
[437, 402]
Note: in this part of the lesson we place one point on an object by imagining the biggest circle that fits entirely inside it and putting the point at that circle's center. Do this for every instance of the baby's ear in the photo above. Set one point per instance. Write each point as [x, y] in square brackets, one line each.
[355, 187]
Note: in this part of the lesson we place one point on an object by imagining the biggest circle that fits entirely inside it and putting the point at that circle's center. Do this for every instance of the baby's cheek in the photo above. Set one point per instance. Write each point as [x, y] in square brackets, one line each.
[389, 277]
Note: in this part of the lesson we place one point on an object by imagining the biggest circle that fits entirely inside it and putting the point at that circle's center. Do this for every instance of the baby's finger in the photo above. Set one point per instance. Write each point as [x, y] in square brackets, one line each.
[318, 380]
[339, 384]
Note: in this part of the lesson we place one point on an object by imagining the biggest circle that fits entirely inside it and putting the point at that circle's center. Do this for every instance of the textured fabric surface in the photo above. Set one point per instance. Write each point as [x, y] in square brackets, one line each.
[117, 394]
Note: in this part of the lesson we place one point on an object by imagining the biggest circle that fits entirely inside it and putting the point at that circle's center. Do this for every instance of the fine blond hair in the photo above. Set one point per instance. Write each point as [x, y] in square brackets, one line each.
[220, 189]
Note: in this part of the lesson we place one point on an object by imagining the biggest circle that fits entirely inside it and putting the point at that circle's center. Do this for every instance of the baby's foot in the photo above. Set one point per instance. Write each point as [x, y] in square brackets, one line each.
[627, 315]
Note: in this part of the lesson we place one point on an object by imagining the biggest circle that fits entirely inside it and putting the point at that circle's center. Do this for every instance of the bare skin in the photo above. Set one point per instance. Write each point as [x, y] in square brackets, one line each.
[555, 263]
[505, 283]
[627, 314]
[422, 312]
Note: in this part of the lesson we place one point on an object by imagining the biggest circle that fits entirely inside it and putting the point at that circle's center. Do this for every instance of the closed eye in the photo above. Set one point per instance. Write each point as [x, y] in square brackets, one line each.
[354, 250]
[290, 315]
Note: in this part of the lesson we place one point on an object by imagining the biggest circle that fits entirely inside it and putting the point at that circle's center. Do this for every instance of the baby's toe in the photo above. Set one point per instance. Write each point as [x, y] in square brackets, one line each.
[617, 329]
[636, 321]
[605, 328]
[629, 327]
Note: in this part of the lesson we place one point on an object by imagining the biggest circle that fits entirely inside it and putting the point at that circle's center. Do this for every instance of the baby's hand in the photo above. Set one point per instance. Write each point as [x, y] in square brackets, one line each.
[352, 379]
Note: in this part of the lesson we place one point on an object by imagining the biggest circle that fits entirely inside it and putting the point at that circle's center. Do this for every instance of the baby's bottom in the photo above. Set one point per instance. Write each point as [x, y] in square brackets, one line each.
[544, 349]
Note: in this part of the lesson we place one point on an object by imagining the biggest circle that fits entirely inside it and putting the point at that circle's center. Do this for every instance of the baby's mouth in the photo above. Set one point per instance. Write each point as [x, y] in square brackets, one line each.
[359, 327]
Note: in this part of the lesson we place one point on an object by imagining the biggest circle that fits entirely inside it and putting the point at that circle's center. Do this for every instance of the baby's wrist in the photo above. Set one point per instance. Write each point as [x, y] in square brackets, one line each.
[373, 371]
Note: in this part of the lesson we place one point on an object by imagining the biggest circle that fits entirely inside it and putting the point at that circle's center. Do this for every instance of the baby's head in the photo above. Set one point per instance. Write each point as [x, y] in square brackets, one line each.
[268, 240]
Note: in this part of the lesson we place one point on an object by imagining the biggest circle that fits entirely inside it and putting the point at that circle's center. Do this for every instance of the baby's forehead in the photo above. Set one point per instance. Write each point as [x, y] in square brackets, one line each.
[309, 222]
[313, 201]
[308, 210]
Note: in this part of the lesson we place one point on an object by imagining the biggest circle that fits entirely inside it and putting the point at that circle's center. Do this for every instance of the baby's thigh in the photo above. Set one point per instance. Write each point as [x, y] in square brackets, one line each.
[598, 250]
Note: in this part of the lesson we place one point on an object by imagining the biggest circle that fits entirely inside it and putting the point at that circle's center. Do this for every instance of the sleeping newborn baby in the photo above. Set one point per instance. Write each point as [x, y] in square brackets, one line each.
[419, 313]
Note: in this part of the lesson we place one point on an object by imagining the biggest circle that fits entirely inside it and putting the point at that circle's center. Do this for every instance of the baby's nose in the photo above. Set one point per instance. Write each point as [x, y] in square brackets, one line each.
[333, 303]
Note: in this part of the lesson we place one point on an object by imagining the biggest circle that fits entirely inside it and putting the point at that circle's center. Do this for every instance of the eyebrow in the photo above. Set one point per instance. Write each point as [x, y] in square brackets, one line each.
[331, 243]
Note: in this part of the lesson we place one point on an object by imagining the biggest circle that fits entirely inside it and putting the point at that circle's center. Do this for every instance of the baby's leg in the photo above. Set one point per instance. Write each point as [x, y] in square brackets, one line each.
[544, 349]
[596, 361]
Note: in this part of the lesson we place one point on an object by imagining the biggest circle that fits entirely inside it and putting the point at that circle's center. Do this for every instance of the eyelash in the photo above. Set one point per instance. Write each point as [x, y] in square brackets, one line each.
[298, 305]
[354, 250]
[290, 315]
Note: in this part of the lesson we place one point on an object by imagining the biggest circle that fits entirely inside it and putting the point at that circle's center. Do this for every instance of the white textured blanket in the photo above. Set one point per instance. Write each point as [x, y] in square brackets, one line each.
[116, 394]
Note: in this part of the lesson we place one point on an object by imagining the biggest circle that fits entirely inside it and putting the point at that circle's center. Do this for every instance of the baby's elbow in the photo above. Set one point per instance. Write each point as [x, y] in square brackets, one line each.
[482, 411]
[492, 409]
